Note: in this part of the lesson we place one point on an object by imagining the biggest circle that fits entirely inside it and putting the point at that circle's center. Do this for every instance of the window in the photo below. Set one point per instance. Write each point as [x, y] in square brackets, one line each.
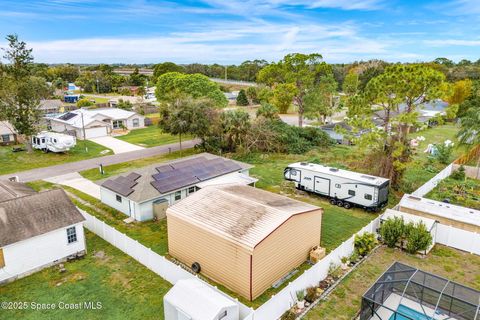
[135, 123]
[338, 186]
[293, 172]
[191, 190]
[119, 198]
[117, 124]
[351, 193]
[307, 178]
[178, 195]
[5, 137]
[368, 196]
[71, 235]
[223, 315]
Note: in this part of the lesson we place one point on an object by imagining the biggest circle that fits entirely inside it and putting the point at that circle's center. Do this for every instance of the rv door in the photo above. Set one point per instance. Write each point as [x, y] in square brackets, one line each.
[321, 185]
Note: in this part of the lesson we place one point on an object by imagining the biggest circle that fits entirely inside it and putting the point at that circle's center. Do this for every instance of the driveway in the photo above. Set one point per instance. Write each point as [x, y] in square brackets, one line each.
[75, 180]
[117, 145]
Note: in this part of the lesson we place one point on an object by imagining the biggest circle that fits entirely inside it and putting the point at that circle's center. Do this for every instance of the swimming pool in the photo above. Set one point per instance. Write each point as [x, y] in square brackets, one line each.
[406, 313]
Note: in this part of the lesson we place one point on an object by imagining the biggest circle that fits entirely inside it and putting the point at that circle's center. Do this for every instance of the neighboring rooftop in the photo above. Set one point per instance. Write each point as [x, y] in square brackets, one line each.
[74, 118]
[242, 214]
[365, 178]
[11, 190]
[441, 209]
[50, 104]
[150, 182]
[31, 215]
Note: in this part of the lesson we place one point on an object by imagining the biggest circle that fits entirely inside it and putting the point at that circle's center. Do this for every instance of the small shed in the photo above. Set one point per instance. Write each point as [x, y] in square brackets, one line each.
[430, 224]
[242, 237]
[194, 300]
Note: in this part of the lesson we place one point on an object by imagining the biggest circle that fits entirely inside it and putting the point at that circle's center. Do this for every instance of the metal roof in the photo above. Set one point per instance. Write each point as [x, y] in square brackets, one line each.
[243, 214]
[441, 209]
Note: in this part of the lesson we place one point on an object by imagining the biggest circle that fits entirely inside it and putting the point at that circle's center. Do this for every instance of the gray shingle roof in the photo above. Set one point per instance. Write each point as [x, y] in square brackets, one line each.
[11, 190]
[143, 189]
[32, 215]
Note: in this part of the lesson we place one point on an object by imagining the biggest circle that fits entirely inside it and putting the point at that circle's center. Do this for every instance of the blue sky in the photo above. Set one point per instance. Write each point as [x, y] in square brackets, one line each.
[231, 31]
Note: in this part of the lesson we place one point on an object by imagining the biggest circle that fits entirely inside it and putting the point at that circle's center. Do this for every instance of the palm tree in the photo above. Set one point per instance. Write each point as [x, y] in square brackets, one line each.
[470, 130]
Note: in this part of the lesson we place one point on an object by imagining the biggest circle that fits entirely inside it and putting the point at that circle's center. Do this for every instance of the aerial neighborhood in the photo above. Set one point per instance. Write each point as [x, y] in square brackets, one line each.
[154, 175]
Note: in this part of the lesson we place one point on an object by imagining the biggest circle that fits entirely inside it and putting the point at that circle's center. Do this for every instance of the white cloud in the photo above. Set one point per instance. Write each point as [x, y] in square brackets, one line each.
[452, 42]
[460, 7]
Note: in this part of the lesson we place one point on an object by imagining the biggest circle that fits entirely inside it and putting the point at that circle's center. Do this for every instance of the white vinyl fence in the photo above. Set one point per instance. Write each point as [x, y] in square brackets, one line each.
[432, 183]
[285, 299]
[457, 238]
[152, 260]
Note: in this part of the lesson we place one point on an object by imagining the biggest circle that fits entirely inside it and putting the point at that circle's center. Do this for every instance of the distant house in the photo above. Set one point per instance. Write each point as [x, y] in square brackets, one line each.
[338, 136]
[95, 122]
[8, 135]
[132, 89]
[242, 237]
[72, 87]
[36, 229]
[231, 96]
[50, 106]
[146, 192]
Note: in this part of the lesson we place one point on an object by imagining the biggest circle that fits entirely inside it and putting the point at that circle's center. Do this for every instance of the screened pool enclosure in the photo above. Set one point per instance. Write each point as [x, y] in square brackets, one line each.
[407, 293]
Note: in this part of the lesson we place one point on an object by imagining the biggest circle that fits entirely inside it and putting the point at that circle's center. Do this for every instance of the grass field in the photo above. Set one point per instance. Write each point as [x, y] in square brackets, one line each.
[20, 161]
[125, 288]
[344, 302]
[150, 136]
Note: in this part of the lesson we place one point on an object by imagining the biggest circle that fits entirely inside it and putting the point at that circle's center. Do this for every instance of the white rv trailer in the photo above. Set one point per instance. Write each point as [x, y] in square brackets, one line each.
[343, 188]
[53, 141]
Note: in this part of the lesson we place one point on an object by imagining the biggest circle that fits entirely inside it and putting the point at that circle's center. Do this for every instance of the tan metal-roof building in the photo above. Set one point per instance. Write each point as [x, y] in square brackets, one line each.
[242, 237]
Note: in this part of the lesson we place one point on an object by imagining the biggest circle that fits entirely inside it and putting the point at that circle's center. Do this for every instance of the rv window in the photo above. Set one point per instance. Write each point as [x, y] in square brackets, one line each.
[338, 186]
[368, 196]
[119, 198]
[54, 140]
[293, 172]
[43, 140]
[71, 235]
[351, 193]
[178, 195]
[307, 178]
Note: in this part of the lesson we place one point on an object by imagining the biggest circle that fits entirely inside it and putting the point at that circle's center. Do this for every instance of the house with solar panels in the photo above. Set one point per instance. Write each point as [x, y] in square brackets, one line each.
[146, 193]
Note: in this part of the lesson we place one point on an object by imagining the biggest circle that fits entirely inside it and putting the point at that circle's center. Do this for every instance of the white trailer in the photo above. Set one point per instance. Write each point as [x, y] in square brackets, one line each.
[53, 141]
[344, 188]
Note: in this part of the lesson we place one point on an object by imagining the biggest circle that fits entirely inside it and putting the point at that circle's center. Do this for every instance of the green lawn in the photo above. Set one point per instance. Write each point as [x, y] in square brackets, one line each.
[125, 288]
[20, 161]
[111, 170]
[463, 193]
[423, 168]
[150, 136]
[344, 302]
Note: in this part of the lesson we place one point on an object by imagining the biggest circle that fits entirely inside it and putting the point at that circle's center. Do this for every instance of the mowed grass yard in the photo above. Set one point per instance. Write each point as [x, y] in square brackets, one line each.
[344, 302]
[125, 288]
[150, 136]
[20, 161]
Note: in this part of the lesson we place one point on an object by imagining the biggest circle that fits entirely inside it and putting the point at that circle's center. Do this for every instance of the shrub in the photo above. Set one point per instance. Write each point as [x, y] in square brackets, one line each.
[458, 174]
[300, 295]
[289, 315]
[84, 103]
[364, 243]
[311, 294]
[444, 153]
[391, 231]
[418, 237]
[267, 111]
[242, 99]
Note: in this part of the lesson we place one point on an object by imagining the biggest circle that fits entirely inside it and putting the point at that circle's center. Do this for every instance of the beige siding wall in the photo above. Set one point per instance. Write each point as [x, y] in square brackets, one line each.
[285, 249]
[220, 260]
[442, 220]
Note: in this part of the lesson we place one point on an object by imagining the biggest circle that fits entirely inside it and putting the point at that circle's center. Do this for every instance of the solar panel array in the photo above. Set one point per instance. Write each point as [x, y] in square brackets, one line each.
[67, 116]
[185, 173]
[122, 185]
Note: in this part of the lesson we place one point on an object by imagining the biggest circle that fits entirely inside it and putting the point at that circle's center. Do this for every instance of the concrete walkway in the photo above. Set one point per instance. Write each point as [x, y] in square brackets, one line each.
[61, 169]
[117, 145]
[75, 180]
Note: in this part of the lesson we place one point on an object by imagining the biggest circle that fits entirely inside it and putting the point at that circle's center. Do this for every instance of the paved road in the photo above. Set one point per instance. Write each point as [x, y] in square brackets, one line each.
[61, 169]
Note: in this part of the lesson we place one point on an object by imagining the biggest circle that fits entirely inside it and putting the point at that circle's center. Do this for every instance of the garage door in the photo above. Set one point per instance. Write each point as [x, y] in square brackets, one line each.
[96, 132]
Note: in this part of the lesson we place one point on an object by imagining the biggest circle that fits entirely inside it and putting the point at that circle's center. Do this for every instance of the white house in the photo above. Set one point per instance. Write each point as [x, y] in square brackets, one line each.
[37, 230]
[95, 122]
[192, 299]
[146, 192]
